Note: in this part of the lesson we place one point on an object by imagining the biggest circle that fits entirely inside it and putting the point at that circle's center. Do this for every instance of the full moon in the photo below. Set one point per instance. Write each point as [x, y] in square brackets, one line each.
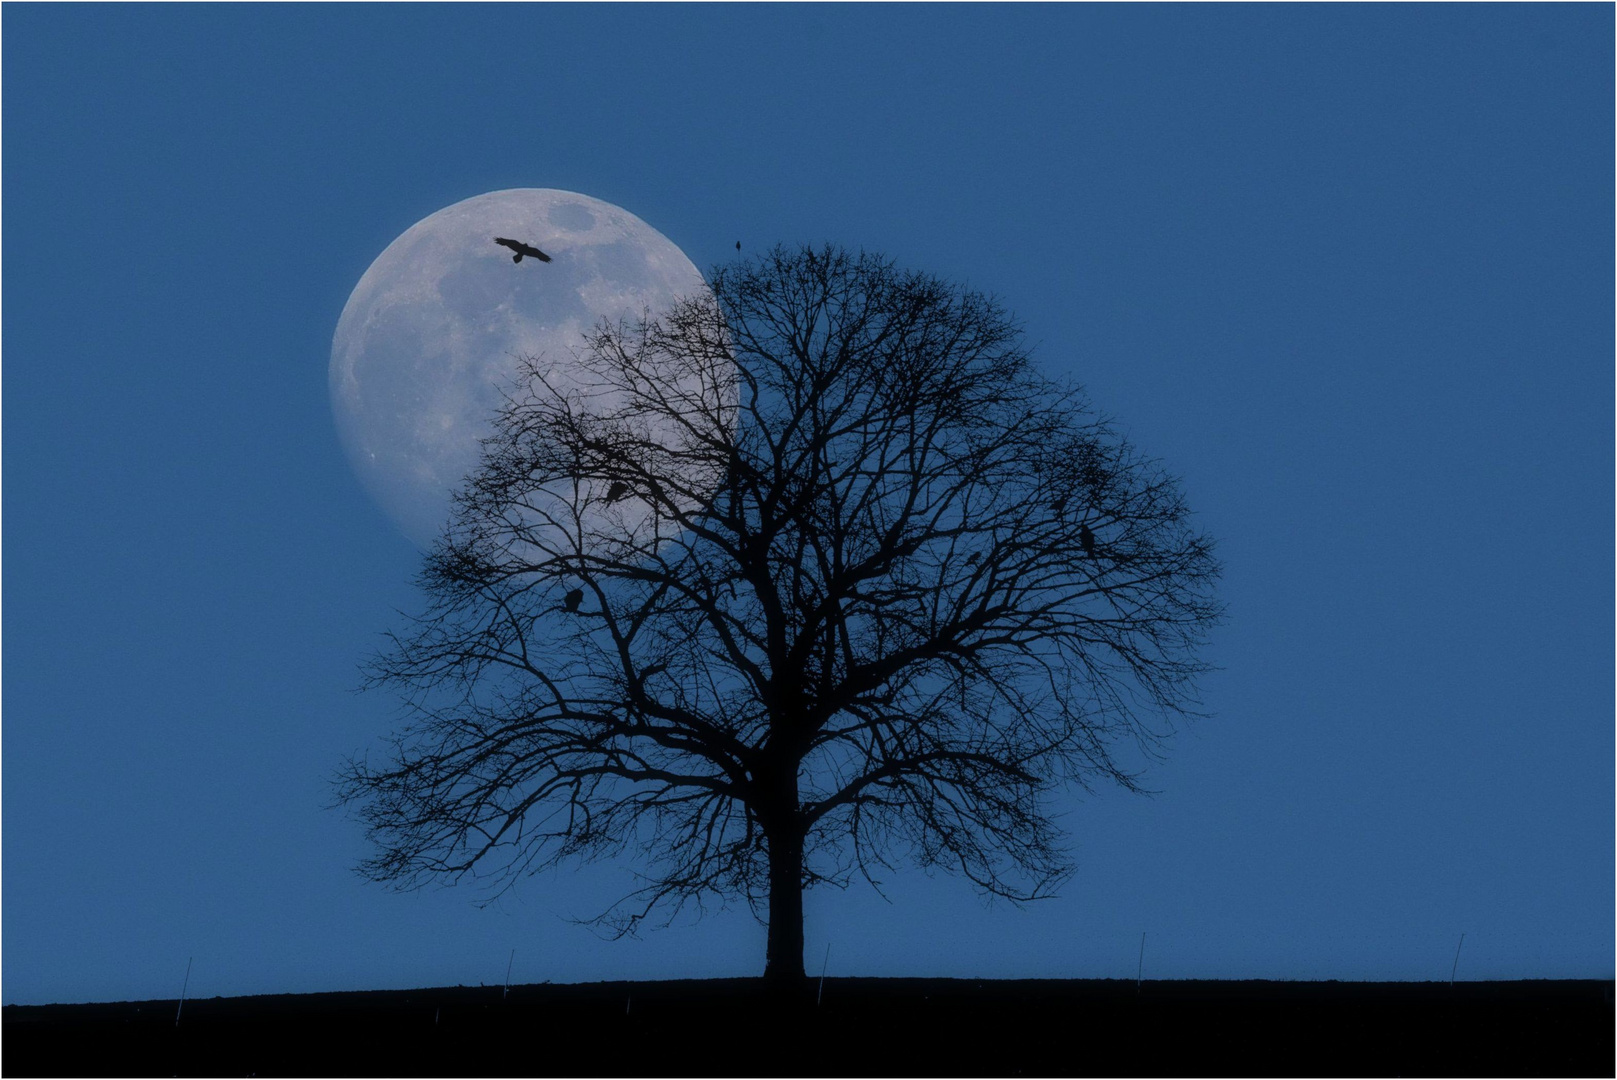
[437, 328]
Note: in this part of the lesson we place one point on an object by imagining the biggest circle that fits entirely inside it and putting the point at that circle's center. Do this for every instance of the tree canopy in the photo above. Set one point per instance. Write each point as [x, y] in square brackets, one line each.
[795, 583]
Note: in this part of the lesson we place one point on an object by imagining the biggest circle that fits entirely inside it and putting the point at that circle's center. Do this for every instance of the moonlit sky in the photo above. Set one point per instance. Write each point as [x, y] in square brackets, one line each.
[1346, 269]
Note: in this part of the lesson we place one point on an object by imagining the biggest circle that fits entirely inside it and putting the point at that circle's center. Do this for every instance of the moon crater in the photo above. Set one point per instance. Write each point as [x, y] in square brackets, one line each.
[438, 325]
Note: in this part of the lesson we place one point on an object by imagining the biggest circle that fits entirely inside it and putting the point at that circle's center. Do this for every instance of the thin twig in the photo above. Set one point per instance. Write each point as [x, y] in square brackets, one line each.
[823, 965]
[183, 988]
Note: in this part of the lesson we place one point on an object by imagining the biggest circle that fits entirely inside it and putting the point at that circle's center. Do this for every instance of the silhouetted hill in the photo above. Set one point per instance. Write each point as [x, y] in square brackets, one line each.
[865, 1027]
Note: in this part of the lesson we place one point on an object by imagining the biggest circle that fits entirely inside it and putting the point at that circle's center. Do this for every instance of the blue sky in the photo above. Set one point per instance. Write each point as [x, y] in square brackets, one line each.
[1345, 269]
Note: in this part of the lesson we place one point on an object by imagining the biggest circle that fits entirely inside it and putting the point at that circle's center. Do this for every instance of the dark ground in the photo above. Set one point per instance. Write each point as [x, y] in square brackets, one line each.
[864, 1027]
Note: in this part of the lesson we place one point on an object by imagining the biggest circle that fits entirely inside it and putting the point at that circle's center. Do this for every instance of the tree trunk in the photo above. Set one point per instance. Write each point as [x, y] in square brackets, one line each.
[783, 964]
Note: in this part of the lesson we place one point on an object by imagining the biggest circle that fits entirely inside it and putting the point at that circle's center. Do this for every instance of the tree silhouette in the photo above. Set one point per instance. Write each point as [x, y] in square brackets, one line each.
[808, 579]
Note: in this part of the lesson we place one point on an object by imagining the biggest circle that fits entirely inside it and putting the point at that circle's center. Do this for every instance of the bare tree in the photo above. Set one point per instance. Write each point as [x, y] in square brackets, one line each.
[808, 578]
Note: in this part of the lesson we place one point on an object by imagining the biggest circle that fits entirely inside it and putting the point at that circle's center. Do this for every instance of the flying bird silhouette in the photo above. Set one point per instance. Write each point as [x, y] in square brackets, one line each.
[1086, 538]
[521, 249]
[573, 599]
[617, 491]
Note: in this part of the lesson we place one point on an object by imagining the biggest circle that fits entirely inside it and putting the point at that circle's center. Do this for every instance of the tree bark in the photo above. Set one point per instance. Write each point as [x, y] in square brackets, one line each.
[783, 831]
[783, 966]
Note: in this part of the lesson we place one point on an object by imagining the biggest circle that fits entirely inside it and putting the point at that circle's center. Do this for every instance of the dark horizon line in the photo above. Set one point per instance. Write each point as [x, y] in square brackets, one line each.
[846, 981]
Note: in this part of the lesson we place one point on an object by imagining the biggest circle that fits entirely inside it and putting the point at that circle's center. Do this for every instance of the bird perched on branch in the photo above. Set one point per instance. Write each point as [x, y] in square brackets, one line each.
[1086, 538]
[573, 598]
[521, 249]
[617, 491]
